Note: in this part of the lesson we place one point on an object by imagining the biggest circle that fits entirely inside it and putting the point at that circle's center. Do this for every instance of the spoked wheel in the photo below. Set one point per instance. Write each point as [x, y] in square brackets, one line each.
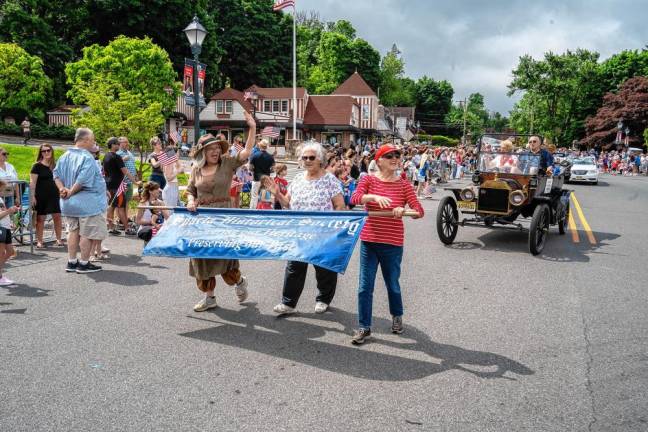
[447, 220]
[539, 229]
[562, 224]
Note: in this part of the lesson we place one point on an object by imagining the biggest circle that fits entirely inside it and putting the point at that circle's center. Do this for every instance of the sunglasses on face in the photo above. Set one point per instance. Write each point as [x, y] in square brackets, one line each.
[309, 158]
[4, 154]
[392, 155]
[46, 151]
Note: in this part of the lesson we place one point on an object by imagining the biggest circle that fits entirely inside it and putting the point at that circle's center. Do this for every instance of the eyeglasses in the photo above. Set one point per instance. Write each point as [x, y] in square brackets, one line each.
[308, 158]
[392, 155]
[46, 151]
[4, 154]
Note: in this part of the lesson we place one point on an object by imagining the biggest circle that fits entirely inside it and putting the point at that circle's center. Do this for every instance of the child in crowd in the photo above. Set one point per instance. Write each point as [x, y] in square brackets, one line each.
[149, 220]
[6, 248]
[281, 170]
[245, 176]
[235, 191]
[266, 198]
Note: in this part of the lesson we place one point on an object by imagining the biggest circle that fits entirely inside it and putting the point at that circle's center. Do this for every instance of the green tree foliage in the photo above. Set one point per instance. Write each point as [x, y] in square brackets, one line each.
[622, 66]
[560, 91]
[476, 116]
[125, 86]
[433, 101]
[497, 122]
[393, 89]
[24, 87]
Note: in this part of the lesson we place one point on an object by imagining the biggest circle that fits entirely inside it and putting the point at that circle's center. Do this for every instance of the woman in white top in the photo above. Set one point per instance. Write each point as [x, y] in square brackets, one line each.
[147, 219]
[6, 249]
[10, 192]
[170, 193]
[315, 189]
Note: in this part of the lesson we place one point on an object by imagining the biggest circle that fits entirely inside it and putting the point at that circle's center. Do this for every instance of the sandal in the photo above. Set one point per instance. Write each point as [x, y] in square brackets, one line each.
[60, 244]
[40, 246]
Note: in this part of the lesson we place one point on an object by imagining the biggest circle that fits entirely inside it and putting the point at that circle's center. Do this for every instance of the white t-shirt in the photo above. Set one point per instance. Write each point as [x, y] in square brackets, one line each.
[313, 195]
[5, 222]
[9, 173]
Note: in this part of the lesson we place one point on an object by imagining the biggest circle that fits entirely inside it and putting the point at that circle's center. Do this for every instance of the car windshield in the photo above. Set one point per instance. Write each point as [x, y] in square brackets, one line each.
[513, 163]
[583, 161]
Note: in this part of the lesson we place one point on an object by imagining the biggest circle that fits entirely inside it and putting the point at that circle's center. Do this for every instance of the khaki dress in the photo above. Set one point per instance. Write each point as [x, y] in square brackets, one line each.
[213, 191]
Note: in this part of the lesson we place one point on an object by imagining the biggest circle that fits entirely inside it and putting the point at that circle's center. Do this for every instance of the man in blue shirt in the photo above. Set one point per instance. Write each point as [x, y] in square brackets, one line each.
[546, 158]
[83, 200]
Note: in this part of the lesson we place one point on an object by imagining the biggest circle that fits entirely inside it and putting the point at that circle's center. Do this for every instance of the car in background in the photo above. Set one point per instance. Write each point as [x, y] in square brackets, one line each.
[584, 169]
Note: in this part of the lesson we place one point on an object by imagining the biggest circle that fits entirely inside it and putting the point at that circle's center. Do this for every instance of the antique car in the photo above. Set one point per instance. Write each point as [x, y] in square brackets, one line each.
[506, 189]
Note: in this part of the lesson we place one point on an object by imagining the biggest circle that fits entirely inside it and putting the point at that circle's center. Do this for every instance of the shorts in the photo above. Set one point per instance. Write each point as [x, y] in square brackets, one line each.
[5, 235]
[129, 193]
[91, 227]
[117, 201]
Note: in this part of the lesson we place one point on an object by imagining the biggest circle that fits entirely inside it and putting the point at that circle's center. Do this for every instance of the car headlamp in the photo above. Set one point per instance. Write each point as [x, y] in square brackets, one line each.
[467, 194]
[475, 178]
[517, 197]
[592, 172]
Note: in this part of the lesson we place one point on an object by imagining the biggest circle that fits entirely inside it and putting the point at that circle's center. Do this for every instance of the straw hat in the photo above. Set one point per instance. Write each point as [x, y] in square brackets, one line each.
[224, 145]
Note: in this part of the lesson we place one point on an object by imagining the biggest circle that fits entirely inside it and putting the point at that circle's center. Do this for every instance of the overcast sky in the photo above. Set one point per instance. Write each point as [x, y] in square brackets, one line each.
[475, 44]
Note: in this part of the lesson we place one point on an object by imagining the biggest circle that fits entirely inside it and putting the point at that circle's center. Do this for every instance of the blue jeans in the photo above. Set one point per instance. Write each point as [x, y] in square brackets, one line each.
[159, 179]
[389, 257]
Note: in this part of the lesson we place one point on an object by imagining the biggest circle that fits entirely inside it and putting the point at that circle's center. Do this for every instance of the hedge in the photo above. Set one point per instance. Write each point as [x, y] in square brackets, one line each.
[439, 140]
[39, 131]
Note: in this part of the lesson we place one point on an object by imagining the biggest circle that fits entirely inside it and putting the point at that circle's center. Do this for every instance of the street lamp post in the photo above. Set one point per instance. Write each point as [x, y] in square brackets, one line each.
[196, 33]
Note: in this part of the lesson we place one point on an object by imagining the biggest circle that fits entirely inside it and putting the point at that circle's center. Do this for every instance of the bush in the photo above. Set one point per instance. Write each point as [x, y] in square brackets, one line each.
[443, 141]
[40, 131]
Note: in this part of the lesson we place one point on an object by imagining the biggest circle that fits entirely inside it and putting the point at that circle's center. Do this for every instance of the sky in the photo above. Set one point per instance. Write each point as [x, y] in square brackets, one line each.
[475, 44]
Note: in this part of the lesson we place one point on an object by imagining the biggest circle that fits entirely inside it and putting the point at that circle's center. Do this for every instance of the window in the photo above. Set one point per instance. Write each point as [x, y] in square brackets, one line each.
[219, 106]
[284, 106]
[275, 106]
[267, 106]
[228, 107]
[365, 112]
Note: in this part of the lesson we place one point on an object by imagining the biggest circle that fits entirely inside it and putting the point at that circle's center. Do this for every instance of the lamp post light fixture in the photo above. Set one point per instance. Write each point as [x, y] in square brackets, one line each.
[196, 33]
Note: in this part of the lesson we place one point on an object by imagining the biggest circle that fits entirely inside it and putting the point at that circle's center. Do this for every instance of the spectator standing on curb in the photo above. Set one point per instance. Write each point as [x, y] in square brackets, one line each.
[171, 169]
[261, 163]
[157, 175]
[115, 171]
[26, 130]
[129, 161]
[83, 200]
[6, 248]
[44, 194]
[10, 192]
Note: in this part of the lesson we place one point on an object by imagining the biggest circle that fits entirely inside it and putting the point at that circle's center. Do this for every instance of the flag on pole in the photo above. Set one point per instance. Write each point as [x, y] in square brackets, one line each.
[281, 4]
[168, 158]
[122, 187]
[238, 147]
[174, 136]
[270, 132]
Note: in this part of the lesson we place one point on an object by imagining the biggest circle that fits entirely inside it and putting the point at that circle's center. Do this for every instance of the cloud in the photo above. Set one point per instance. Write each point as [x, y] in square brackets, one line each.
[476, 44]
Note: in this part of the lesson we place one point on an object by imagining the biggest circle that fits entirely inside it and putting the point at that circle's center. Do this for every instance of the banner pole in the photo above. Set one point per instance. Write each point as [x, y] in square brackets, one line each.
[407, 213]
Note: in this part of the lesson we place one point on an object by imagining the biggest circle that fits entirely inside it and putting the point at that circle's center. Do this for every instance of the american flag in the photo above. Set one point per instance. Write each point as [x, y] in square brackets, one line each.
[238, 147]
[154, 230]
[122, 188]
[270, 132]
[167, 158]
[174, 136]
[281, 4]
[247, 95]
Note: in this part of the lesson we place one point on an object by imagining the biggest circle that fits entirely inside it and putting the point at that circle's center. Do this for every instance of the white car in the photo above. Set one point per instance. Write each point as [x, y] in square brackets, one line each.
[584, 169]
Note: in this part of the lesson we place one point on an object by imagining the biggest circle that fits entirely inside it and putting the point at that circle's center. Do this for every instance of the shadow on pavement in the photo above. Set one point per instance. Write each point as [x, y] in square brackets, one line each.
[296, 341]
[20, 290]
[121, 277]
[133, 261]
[559, 248]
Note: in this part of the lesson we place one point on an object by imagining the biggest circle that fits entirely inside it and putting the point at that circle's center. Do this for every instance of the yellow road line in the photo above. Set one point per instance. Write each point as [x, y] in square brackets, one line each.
[572, 227]
[581, 216]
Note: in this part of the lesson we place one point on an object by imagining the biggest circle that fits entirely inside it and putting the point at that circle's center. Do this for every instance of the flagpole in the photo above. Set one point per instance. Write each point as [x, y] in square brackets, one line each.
[294, 136]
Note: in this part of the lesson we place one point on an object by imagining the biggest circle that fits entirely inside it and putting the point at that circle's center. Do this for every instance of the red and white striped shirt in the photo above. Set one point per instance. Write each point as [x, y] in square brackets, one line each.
[385, 229]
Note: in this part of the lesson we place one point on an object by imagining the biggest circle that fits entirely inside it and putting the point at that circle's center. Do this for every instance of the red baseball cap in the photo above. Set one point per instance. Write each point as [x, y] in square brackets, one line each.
[383, 150]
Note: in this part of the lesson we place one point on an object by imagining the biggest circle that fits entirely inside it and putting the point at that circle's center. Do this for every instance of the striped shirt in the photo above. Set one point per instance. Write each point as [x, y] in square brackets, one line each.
[129, 163]
[385, 229]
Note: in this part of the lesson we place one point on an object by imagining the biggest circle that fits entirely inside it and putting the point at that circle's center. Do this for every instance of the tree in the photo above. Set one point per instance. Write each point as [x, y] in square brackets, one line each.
[433, 102]
[24, 87]
[335, 58]
[394, 89]
[125, 85]
[366, 60]
[629, 104]
[497, 122]
[476, 116]
[620, 67]
[559, 92]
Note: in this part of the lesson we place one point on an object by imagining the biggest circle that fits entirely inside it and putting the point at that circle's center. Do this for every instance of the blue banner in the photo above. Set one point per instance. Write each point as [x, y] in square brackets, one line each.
[325, 239]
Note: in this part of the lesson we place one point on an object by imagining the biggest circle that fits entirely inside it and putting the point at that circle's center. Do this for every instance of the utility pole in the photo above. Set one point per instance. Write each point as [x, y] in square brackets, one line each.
[465, 115]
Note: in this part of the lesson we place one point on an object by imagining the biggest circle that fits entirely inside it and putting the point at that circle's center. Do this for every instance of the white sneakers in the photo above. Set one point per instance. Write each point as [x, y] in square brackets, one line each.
[282, 309]
[320, 307]
[6, 281]
[241, 290]
[205, 304]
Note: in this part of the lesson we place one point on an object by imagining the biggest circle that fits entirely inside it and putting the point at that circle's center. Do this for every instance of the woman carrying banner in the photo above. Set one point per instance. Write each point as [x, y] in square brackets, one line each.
[315, 189]
[209, 184]
[382, 237]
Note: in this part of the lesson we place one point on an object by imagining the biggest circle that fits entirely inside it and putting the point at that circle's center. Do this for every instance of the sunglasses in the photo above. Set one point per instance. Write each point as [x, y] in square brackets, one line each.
[308, 158]
[4, 154]
[392, 155]
[46, 151]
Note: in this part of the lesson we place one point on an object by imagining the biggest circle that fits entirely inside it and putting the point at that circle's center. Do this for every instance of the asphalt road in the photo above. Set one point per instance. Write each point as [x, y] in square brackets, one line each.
[495, 339]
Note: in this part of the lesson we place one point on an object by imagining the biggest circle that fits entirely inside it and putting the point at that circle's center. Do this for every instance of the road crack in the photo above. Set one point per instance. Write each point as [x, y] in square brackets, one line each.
[588, 370]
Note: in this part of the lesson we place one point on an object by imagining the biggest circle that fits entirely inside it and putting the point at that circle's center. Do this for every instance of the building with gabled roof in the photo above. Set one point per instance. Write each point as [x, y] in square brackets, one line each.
[332, 119]
[356, 87]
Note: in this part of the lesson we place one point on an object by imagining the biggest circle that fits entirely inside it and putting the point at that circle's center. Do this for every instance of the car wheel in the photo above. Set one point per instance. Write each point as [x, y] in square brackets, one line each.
[539, 229]
[447, 220]
[562, 224]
